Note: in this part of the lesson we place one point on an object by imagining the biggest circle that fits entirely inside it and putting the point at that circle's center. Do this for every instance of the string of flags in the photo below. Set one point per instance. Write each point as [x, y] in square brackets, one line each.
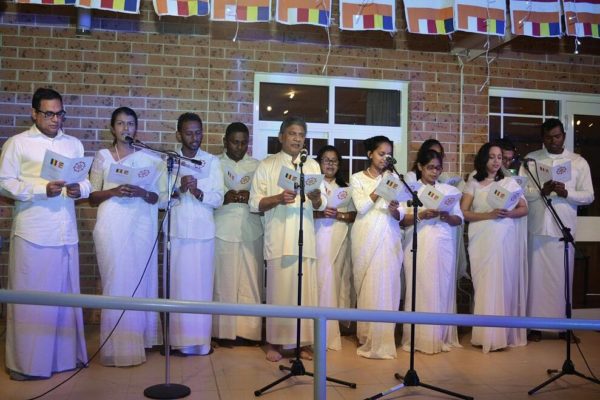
[536, 18]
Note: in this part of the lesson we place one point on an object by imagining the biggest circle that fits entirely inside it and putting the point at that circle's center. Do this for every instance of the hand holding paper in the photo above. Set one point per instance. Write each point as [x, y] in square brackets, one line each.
[56, 167]
[436, 200]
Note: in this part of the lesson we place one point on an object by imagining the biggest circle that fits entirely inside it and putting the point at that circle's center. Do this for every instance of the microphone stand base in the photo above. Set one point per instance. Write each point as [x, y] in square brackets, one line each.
[167, 391]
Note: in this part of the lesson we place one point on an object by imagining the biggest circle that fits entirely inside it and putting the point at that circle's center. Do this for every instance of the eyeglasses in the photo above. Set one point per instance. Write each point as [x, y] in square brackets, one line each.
[50, 114]
[329, 161]
[434, 167]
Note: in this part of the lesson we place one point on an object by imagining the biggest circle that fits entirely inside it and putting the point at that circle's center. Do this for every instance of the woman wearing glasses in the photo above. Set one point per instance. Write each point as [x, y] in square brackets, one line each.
[376, 251]
[125, 240]
[332, 228]
[436, 261]
[497, 250]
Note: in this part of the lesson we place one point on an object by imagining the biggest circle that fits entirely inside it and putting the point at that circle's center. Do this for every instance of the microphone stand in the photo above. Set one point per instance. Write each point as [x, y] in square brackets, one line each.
[165, 390]
[568, 368]
[411, 378]
[297, 368]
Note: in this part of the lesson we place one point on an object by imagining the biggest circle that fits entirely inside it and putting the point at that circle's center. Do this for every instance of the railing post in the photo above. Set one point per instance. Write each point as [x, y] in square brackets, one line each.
[320, 385]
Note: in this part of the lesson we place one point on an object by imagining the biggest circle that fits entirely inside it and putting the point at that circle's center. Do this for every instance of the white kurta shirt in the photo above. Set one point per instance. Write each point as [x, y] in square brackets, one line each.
[283, 221]
[235, 222]
[192, 218]
[580, 188]
[37, 218]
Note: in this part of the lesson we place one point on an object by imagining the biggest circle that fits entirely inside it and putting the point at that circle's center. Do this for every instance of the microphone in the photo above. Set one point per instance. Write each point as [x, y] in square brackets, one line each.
[303, 155]
[389, 160]
[129, 139]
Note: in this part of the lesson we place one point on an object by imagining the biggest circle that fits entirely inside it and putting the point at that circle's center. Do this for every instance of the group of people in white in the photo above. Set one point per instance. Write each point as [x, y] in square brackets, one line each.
[221, 239]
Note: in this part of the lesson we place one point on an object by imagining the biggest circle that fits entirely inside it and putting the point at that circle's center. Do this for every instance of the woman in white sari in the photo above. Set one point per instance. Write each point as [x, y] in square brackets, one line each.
[497, 250]
[436, 262]
[332, 229]
[376, 251]
[126, 247]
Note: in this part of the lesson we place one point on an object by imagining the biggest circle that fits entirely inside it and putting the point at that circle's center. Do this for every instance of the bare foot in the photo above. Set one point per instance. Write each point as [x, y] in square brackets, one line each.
[273, 353]
[306, 353]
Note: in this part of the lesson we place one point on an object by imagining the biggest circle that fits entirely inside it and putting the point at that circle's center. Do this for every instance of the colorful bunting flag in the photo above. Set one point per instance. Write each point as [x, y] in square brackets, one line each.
[181, 8]
[312, 12]
[582, 17]
[537, 18]
[48, 2]
[364, 15]
[123, 6]
[433, 17]
[241, 10]
[480, 16]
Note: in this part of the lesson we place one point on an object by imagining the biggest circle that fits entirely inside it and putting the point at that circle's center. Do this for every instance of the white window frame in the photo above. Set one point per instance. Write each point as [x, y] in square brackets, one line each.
[262, 130]
[564, 98]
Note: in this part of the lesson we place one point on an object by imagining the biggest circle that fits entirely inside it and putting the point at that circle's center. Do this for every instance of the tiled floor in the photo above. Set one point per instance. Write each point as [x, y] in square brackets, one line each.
[234, 373]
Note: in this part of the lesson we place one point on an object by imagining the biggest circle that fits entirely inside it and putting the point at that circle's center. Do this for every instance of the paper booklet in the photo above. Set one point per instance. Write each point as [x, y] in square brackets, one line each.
[124, 175]
[559, 171]
[390, 188]
[451, 180]
[436, 200]
[339, 198]
[56, 167]
[289, 179]
[198, 170]
[521, 180]
[502, 197]
[237, 181]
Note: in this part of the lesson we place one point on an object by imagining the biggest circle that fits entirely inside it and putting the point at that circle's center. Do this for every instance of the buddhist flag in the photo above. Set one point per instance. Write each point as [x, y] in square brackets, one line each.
[363, 15]
[480, 16]
[181, 8]
[48, 2]
[582, 17]
[311, 12]
[122, 6]
[241, 10]
[433, 17]
[537, 18]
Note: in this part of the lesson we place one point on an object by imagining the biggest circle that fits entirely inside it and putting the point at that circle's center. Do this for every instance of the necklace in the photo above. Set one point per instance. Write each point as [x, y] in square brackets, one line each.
[369, 173]
[117, 151]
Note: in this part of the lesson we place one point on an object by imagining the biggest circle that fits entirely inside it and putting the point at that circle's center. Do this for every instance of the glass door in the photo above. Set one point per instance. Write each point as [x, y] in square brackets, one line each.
[583, 137]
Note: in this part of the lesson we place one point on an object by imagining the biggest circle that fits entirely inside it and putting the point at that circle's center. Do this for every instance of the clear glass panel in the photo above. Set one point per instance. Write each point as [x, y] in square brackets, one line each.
[343, 146]
[552, 108]
[587, 144]
[495, 104]
[345, 168]
[524, 133]
[495, 131]
[273, 145]
[358, 148]
[278, 100]
[316, 145]
[523, 106]
[359, 165]
[357, 106]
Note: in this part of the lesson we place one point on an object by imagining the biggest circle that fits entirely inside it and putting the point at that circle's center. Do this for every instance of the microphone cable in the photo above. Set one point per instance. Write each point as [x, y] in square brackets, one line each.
[154, 246]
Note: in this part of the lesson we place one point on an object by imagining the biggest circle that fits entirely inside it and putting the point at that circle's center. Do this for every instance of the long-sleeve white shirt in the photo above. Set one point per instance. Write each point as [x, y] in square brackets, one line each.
[37, 218]
[235, 222]
[580, 192]
[283, 221]
[192, 218]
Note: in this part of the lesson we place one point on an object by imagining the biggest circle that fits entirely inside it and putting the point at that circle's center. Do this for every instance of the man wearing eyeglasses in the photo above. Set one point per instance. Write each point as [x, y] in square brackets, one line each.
[44, 253]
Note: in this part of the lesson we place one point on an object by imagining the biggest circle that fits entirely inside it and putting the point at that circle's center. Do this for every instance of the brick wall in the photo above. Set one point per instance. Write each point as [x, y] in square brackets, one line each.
[163, 67]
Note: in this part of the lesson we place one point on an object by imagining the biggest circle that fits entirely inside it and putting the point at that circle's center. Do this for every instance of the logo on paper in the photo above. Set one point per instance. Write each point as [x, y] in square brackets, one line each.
[79, 166]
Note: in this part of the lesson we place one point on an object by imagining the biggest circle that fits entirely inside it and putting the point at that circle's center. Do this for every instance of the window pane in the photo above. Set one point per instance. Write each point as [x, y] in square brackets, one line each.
[359, 165]
[279, 100]
[356, 106]
[552, 108]
[345, 169]
[358, 148]
[588, 146]
[343, 146]
[494, 128]
[316, 145]
[524, 133]
[523, 106]
[273, 145]
[495, 104]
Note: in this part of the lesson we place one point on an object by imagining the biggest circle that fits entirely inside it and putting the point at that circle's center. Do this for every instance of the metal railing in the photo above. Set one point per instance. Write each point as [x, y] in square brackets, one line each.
[320, 315]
